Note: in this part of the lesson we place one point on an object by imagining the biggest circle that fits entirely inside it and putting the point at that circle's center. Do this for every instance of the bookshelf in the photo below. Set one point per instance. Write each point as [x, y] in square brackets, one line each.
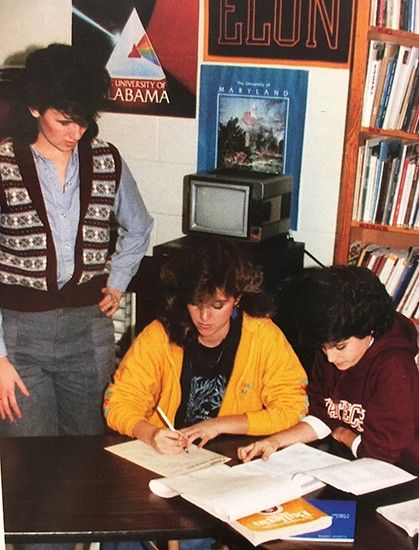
[353, 224]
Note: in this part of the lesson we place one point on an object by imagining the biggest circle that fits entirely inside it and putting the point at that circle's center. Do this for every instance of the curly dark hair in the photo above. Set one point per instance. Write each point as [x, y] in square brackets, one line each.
[339, 302]
[61, 77]
[194, 276]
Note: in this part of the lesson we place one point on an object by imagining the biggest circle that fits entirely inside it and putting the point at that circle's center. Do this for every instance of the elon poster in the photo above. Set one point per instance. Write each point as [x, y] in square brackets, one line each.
[315, 32]
[149, 48]
[252, 118]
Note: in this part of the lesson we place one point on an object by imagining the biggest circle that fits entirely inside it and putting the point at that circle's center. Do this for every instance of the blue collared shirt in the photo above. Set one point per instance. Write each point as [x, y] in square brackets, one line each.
[63, 209]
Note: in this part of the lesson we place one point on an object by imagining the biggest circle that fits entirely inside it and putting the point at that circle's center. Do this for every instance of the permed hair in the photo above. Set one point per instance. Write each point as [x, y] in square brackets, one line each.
[339, 302]
[64, 78]
[195, 275]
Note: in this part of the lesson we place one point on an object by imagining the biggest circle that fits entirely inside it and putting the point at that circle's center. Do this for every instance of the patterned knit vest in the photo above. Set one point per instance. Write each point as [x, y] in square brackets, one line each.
[28, 277]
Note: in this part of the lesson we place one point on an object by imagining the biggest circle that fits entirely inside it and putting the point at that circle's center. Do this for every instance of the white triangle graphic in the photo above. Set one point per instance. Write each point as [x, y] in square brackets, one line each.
[134, 55]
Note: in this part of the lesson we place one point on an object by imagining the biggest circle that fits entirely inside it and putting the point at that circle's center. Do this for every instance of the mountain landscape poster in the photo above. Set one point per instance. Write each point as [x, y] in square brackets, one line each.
[252, 118]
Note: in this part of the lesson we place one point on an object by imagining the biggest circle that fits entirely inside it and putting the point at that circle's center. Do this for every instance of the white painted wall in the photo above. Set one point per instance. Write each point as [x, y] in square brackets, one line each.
[161, 150]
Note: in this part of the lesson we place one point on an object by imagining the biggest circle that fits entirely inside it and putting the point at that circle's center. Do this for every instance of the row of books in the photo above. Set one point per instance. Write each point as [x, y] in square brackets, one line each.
[391, 93]
[398, 270]
[395, 14]
[386, 187]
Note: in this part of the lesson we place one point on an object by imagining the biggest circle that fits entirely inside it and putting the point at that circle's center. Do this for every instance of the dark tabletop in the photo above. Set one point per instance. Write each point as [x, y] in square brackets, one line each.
[59, 489]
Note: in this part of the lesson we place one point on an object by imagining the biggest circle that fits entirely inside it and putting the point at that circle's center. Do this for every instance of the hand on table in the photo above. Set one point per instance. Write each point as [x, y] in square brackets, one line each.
[262, 448]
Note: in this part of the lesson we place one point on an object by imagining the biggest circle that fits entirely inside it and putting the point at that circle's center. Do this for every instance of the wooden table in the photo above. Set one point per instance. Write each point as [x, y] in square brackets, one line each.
[58, 489]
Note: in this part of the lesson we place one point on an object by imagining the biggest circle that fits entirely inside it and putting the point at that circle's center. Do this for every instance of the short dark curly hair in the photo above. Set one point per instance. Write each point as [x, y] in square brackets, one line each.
[339, 302]
[62, 77]
[194, 276]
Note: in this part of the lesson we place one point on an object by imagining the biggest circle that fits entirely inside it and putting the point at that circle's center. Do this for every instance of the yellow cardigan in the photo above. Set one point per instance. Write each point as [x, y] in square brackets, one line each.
[267, 382]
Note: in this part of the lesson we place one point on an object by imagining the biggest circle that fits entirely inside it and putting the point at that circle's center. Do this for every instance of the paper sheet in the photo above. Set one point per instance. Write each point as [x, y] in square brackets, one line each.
[404, 514]
[167, 465]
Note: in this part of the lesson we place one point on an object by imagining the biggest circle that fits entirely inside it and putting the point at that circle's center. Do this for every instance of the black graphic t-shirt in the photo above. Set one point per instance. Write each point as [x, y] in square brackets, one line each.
[205, 375]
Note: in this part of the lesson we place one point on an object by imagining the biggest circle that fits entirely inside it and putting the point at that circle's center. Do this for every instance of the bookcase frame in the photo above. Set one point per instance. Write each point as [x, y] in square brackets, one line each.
[347, 230]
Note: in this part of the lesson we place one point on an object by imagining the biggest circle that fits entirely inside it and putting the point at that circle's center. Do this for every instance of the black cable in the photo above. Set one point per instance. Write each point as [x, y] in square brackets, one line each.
[313, 258]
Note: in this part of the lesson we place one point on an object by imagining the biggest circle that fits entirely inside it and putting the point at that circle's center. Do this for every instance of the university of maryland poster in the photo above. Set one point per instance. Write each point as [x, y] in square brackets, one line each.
[253, 118]
[313, 32]
[149, 48]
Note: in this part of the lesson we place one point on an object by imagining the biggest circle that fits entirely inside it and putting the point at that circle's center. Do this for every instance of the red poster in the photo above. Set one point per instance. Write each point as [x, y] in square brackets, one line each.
[149, 49]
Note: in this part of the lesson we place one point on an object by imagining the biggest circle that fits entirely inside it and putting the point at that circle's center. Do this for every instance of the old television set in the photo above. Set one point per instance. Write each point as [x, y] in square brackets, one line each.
[236, 203]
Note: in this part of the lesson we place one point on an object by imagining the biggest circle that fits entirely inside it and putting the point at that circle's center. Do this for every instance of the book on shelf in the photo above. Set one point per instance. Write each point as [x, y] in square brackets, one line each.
[387, 181]
[399, 267]
[394, 267]
[404, 182]
[412, 200]
[386, 150]
[370, 153]
[390, 170]
[389, 263]
[404, 514]
[408, 123]
[367, 250]
[387, 86]
[290, 518]
[230, 493]
[395, 14]
[343, 514]
[410, 92]
[390, 50]
[375, 58]
[408, 273]
[395, 187]
[409, 305]
[406, 61]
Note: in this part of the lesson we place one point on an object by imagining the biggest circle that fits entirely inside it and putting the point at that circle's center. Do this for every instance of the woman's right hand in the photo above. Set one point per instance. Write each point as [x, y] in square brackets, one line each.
[167, 442]
[9, 379]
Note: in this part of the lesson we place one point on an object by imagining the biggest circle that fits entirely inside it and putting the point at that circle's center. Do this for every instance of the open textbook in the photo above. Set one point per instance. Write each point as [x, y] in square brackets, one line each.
[231, 493]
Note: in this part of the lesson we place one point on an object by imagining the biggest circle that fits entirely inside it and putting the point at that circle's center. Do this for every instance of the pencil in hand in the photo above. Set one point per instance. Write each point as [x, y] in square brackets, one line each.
[163, 416]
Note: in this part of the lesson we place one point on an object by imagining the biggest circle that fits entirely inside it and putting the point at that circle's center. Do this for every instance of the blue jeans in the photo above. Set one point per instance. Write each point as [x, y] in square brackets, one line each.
[66, 358]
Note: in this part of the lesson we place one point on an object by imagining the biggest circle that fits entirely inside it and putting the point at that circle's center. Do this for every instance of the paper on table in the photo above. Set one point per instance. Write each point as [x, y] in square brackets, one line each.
[404, 514]
[167, 465]
[230, 493]
[361, 476]
[296, 462]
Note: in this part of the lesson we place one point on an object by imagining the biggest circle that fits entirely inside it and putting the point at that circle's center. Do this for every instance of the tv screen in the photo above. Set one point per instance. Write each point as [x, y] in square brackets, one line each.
[219, 208]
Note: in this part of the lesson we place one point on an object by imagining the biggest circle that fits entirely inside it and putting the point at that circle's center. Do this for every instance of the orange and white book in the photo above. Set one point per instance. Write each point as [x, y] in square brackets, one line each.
[290, 518]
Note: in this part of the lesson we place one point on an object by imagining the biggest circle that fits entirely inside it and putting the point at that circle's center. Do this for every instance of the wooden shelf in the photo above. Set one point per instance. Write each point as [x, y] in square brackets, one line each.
[348, 230]
[352, 235]
[378, 132]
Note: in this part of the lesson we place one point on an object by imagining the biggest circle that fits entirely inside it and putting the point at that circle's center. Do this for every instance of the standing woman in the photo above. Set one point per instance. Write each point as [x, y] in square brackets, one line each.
[59, 287]
[213, 361]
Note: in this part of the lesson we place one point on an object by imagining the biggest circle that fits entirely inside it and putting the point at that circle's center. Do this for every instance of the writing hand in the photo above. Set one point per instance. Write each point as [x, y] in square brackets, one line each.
[9, 379]
[110, 302]
[166, 441]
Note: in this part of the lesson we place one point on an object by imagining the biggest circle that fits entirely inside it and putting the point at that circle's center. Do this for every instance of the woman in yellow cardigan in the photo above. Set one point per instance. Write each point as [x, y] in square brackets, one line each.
[213, 362]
